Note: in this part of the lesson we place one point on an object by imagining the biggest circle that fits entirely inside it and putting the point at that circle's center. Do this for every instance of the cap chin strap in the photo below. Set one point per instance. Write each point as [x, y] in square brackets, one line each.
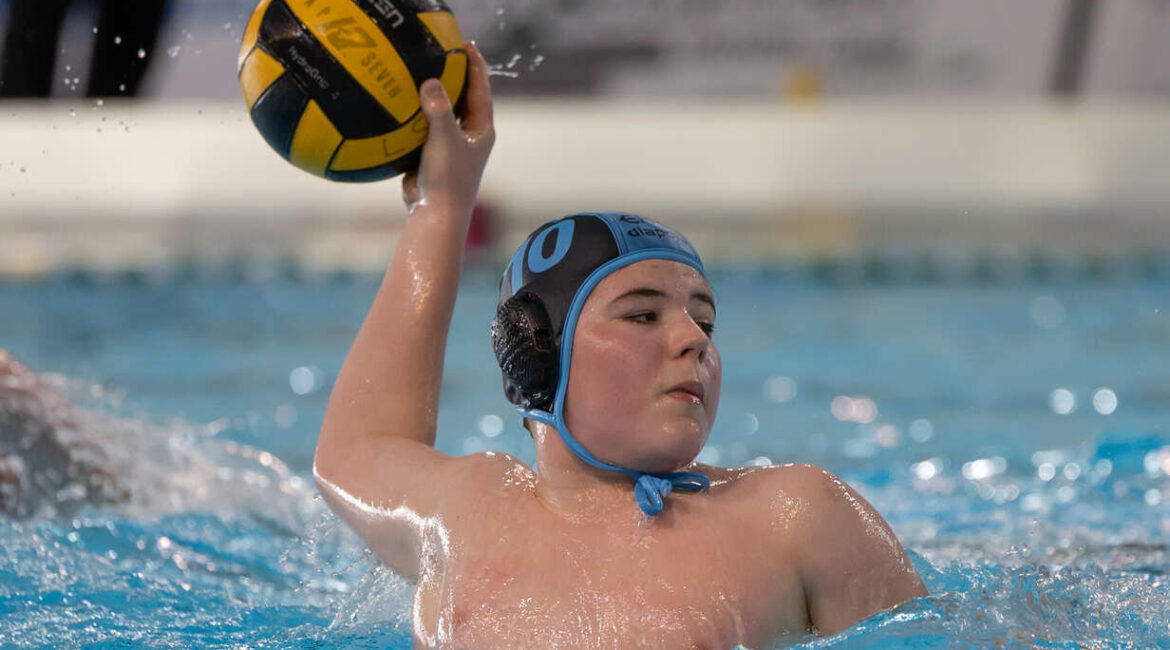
[649, 489]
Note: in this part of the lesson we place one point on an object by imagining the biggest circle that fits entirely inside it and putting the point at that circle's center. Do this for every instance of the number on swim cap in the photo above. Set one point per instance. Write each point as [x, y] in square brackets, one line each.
[537, 262]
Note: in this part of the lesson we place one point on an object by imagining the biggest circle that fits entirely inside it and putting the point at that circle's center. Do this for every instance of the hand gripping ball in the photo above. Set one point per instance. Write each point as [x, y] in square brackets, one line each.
[332, 85]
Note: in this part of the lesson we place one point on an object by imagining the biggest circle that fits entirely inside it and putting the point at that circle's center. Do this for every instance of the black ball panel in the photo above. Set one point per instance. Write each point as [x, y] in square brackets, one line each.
[405, 164]
[278, 111]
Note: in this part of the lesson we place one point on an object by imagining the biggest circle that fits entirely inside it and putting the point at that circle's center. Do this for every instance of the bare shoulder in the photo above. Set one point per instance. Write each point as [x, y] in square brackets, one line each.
[493, 472]
[850, 562]
[400, 494]
[798, 493]
[791, 483]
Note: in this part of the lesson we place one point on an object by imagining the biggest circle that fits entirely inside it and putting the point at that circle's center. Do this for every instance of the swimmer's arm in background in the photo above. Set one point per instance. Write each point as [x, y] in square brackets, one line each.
[44, 446]
[852, 564]
[375, 462]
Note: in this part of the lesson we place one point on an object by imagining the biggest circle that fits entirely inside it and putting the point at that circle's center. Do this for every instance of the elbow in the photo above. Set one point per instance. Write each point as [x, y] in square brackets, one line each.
[324, 460]
[326, 477]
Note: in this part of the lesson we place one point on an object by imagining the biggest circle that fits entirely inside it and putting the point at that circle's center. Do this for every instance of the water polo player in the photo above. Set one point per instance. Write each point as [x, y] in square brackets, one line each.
[618, 538]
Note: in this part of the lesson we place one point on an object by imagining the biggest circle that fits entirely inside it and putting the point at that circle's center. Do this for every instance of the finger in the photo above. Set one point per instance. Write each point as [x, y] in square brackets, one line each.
[437, 107]
[479, 92]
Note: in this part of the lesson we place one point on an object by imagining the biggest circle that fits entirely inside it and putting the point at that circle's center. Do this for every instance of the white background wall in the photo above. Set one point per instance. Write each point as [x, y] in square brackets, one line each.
[167, 179]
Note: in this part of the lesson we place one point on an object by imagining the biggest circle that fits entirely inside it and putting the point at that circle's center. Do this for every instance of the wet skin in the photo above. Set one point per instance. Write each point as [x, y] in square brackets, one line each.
[712, 571]
[766, 556]
[559, 555]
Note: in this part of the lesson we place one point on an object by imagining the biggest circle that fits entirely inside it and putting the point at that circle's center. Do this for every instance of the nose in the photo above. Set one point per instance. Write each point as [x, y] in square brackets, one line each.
[689, 338]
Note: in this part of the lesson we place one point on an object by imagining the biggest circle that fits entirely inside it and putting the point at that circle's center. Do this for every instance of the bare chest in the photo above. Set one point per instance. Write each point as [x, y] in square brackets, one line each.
[600, 588]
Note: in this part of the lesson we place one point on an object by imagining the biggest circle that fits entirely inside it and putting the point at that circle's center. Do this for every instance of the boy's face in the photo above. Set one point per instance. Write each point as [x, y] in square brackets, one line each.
[645, 376]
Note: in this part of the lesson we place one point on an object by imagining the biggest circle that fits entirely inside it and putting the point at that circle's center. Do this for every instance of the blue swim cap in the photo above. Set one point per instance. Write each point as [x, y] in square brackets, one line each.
[542, 292]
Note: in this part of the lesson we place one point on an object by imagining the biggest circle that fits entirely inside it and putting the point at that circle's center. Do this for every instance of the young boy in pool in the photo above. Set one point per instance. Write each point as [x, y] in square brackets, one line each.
[593, 548]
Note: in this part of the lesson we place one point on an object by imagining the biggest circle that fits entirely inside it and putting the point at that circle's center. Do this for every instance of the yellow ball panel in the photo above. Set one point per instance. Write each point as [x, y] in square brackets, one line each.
[314, 141]
[442, 25]
[454, 70]
[354, 40]
[257, 74]
[379, 150]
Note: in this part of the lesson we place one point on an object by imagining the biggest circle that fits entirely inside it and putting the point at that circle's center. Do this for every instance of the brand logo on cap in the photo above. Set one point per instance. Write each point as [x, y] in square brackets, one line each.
[646, 232]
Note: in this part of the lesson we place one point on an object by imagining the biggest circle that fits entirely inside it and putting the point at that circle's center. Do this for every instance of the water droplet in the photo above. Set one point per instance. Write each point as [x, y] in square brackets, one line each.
[888, 436]
[927, 469]
[117, 40]
[227, 26]
[304, 380]
[122, 87]
[173, 51]
[780, 389]
[921, 430]
[141, 53]
[68, 68]
[709, 455]
[72, 112]
[95, 30]
[1104, 401]
[285, 416]
[491, 425]
[536, 61]
[1062, 401]
[98, 102]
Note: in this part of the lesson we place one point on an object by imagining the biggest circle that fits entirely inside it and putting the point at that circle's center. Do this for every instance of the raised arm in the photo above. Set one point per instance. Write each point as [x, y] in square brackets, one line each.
[375, 463]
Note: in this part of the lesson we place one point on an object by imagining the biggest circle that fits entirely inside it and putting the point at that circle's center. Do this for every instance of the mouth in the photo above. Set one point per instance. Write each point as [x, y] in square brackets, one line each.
[688, 391]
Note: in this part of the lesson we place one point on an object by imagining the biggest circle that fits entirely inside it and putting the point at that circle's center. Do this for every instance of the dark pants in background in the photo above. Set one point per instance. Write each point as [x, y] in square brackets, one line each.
[124, 28]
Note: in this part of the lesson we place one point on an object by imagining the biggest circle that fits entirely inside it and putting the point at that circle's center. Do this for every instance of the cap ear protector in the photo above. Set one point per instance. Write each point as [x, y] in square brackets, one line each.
[525, 347]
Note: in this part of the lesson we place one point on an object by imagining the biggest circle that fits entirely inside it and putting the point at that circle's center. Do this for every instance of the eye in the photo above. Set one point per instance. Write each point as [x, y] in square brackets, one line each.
[643, 317]
[708, 328]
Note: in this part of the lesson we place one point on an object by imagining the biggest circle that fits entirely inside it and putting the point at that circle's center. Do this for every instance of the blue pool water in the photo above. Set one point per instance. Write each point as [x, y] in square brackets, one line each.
[1014, 433]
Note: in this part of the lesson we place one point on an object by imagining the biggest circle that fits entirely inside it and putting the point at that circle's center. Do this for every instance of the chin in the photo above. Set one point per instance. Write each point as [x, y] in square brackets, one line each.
[681, 449]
